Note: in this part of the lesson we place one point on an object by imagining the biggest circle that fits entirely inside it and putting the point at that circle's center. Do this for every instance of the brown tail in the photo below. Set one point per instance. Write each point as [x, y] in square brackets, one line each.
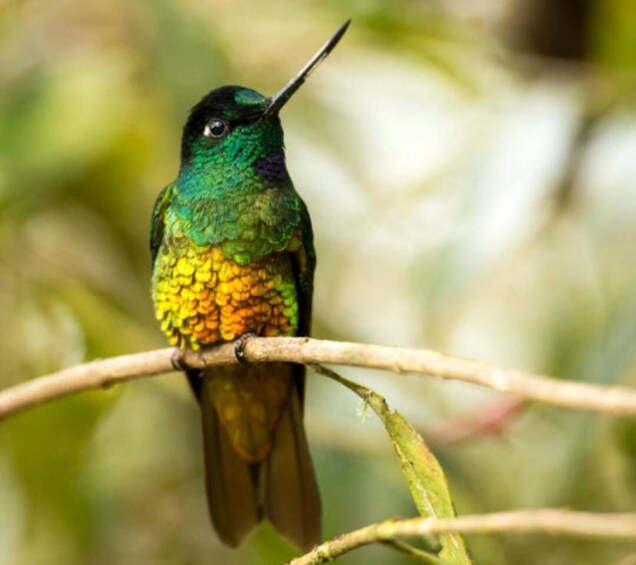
[289, 489]
[281, 488]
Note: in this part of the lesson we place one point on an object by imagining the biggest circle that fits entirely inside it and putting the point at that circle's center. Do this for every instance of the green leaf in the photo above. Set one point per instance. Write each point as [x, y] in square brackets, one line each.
[422, 470]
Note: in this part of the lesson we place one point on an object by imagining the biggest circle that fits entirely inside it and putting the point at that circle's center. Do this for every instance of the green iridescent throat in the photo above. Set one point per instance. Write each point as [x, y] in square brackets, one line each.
[222, 200]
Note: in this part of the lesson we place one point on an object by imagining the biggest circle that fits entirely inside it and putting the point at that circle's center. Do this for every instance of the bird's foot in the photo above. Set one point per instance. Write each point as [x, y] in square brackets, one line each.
[178, 360]
[239, 346]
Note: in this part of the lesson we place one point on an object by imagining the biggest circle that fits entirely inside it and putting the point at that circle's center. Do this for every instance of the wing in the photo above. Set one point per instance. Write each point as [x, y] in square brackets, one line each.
[289, 489]
[158, 217]
[304, 264]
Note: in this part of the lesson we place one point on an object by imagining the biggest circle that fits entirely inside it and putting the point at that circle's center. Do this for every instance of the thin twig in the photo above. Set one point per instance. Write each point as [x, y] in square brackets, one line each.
[418, 554]
[486, 421]
[548, 521]
[615, 400]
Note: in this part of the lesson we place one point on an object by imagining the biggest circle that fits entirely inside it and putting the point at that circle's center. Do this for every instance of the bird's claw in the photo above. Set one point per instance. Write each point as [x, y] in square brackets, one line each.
[239, 346]
[178, 360]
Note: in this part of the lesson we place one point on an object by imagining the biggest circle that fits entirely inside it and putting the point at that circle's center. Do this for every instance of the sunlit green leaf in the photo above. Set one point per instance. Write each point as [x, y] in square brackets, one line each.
[423, 472]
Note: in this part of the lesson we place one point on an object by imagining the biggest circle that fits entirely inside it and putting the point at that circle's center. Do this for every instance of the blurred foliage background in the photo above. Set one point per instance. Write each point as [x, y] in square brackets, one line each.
[470, 168]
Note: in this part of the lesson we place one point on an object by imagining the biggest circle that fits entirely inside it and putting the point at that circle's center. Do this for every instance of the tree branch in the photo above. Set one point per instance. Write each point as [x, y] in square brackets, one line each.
[615, 400]
[564, 522]
[490, 420]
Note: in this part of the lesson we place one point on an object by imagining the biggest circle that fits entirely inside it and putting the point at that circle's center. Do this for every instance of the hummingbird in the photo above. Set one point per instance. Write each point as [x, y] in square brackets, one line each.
[233, 256]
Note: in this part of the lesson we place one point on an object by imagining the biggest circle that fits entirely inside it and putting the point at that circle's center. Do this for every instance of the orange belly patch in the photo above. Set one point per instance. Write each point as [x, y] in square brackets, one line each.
[201, 297]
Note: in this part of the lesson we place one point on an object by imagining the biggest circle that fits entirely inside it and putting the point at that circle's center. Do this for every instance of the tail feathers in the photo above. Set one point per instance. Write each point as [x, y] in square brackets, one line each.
[230, 481]
[288, 485]
[282, 488]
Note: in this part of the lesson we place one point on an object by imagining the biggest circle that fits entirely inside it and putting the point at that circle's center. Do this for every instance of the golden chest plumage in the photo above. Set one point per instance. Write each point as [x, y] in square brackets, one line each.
[202, 297]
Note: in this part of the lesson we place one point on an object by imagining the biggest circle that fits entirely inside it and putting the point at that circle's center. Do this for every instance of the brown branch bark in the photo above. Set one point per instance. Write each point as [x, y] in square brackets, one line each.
[549, 521]
[615, 400]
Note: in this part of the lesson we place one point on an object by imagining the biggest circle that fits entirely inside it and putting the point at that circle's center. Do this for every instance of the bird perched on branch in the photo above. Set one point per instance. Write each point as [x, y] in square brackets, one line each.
[233, 256]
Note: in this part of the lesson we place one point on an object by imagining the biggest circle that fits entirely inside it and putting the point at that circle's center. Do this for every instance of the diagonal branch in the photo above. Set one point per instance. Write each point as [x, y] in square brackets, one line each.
[493, 419]
[615, 400]
[548, 521]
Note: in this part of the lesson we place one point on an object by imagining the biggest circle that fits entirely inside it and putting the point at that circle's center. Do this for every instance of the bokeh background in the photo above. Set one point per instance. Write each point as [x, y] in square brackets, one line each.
[470, 167]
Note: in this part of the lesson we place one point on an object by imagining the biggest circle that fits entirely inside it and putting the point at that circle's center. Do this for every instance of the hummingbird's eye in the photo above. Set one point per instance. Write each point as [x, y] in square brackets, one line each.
[216, 129]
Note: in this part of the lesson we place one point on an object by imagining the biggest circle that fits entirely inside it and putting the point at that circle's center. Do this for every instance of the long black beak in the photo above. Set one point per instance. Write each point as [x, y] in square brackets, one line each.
[283, 95]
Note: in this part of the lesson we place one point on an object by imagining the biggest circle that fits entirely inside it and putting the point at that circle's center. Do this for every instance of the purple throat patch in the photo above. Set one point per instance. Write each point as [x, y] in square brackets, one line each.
[271, 167]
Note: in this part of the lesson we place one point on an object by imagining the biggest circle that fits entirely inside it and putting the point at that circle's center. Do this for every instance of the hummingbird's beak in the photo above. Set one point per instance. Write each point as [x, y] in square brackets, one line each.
[283, 95]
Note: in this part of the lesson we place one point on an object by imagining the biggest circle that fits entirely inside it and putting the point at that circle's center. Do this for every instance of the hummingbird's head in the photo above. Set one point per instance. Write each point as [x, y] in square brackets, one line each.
[238, 126]
[230, 123]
